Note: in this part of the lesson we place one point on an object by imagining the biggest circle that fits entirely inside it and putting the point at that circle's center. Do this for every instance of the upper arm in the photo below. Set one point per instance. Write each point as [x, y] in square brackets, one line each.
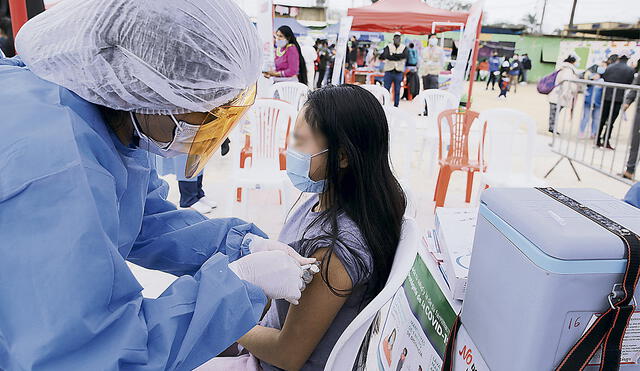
[306, 323]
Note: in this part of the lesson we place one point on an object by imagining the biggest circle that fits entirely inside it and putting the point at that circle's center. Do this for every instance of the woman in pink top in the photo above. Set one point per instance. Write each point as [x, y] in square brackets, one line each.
[290, 64]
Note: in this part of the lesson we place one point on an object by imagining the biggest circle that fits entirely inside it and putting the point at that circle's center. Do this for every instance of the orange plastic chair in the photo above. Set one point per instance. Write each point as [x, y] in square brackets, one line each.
[458, 155]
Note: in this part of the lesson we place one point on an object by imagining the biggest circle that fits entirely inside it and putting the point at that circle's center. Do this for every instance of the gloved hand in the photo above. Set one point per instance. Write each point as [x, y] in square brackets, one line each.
[259, 244]
[276, 273]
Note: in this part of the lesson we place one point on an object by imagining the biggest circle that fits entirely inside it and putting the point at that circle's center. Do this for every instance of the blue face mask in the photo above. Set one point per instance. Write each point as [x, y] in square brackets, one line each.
[298, 166]
[601, 70]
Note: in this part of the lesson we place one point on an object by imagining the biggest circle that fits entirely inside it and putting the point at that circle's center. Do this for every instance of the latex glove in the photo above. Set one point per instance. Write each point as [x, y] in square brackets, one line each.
[259, 244]
[276, 273]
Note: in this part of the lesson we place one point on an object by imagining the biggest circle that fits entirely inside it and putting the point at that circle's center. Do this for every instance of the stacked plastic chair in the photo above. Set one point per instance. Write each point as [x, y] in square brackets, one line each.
[457, 159]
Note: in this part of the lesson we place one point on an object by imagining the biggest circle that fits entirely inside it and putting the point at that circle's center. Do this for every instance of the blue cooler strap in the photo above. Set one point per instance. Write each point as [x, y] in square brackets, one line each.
[608, 330]
[449, 352]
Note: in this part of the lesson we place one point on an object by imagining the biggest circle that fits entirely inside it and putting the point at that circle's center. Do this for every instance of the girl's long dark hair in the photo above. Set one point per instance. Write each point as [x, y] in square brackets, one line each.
[291, 38]
[355, 126]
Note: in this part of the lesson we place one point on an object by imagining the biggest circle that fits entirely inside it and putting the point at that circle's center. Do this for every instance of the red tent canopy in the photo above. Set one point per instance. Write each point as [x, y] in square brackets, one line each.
[406, 16]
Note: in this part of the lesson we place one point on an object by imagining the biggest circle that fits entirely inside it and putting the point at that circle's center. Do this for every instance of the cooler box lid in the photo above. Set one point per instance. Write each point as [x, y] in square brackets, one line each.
[558, 230]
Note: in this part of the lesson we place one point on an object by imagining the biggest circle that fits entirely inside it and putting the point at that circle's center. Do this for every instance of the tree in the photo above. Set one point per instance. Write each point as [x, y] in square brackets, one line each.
[530, 20]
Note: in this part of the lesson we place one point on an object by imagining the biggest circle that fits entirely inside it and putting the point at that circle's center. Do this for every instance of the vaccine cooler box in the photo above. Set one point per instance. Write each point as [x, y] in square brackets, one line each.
[539, 272]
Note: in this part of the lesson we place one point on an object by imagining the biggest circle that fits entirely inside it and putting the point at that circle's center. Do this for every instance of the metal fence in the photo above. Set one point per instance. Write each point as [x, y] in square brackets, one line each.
[594, 131]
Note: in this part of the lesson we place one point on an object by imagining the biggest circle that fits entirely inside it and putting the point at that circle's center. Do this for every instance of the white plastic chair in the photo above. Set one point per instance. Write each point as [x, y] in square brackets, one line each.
[290, 91]
[436, 101]
[345, 351]
[382, 95]
[267, 123]
[508, 149]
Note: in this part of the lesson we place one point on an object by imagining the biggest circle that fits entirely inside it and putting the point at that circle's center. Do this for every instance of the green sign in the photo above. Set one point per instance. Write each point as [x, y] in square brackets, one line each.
[429, 305]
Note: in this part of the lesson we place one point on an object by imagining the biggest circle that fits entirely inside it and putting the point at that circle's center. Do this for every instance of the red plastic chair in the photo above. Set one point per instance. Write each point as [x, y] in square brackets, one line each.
[457, 159]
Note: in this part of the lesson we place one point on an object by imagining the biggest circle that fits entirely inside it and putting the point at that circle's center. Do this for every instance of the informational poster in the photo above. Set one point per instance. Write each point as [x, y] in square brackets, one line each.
[341, 47]
[590, 52]
[465, 50]
[411, 331]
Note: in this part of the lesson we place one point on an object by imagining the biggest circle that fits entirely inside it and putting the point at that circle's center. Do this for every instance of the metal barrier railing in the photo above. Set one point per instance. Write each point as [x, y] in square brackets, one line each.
[596, 132]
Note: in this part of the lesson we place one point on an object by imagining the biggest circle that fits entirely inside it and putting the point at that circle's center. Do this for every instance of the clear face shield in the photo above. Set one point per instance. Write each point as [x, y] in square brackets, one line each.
[215, 129]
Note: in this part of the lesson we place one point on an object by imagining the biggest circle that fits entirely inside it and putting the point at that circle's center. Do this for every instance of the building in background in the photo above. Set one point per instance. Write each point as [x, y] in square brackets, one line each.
[614, 30]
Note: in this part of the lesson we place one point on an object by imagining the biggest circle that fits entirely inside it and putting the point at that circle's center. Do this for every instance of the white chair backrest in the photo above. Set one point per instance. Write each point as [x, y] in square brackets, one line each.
[510, 141]
[290, 91]
[402, 137]
[437, 101]
[345, 351]
[268, 122]
[382, 95]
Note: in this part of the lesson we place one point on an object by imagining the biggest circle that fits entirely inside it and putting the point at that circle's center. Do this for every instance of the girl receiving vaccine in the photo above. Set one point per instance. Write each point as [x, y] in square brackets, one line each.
[351, 223]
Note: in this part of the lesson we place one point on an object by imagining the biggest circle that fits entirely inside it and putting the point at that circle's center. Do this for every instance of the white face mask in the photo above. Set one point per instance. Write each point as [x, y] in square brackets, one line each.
[433, 42]
[183, 136]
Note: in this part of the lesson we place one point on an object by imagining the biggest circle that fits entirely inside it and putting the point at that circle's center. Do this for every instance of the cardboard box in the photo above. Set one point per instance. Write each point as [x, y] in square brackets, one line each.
[455, 228]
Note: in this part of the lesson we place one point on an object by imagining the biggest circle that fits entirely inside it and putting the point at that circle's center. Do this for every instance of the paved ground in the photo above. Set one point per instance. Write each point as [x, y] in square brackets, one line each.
[264, 210]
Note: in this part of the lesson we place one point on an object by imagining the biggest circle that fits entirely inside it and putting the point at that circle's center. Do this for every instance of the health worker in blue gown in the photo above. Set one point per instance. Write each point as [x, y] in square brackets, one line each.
[97, 86]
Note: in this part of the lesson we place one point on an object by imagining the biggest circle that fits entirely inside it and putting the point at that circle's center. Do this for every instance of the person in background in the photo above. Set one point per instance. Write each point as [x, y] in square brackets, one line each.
[505, 67]
[483, 70]
[324, 58]
[562, 94]
[412, 56]
[592, 101]
[309, 54]
[6, 38]
[494, 70]
[373, 59]
[395, 57]
[431, 64]
[526, 67]
[505, 81]
[332, 62]
[361, 56]
[515, 69]
[618, 72]
[635, 133]
[290, 63]
[352, 52]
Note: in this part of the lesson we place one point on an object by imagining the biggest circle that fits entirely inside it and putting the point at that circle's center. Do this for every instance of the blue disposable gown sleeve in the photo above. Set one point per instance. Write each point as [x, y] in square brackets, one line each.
[633, 195]
[69, 301]
[180, 241]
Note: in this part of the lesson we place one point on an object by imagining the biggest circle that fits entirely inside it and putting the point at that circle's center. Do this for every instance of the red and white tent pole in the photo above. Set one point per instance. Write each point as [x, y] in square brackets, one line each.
[19, 15]
[22, 10]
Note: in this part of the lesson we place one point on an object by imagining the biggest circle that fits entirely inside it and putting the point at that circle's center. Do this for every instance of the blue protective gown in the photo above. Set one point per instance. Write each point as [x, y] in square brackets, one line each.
[75, 204]
[633, 195]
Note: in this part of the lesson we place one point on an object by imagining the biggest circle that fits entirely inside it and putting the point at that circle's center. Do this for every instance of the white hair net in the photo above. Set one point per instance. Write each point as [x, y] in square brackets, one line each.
[146, 56]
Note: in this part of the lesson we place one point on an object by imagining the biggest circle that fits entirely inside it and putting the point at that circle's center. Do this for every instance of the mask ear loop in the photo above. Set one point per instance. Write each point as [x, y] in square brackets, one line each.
[319, 153]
